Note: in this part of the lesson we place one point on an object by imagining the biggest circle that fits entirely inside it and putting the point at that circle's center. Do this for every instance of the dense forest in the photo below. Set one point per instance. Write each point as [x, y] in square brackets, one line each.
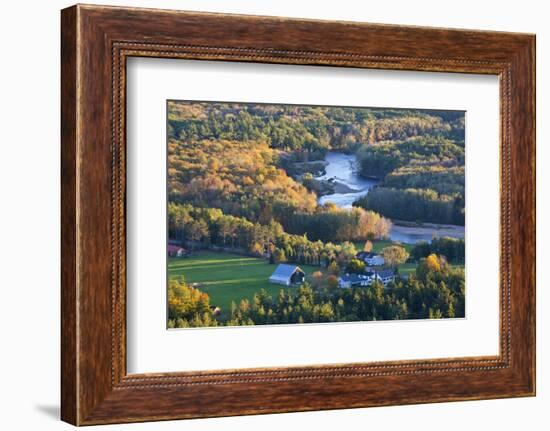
[422, 178]
[207, 227]
[418, 205]
[418, 155]
[308, 131]
[242, 178]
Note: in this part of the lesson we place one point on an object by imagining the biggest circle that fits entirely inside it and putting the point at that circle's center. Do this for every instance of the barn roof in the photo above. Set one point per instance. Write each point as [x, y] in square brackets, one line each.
[366, 254]
[285, 270]
[173, 248]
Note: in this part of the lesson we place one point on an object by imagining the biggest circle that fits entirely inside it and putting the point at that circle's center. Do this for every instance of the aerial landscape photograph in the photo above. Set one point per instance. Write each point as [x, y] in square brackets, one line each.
[298, 214]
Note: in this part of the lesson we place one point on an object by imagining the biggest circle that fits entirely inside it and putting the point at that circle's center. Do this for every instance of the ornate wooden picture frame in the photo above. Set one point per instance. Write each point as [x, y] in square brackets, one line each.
[96, 41]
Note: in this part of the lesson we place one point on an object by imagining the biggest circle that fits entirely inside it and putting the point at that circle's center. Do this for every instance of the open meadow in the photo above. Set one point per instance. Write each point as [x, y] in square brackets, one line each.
[227, 277]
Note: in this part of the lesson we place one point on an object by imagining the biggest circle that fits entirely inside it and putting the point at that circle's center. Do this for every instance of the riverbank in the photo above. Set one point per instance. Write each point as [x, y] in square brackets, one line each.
[410, 234]
[343, 188]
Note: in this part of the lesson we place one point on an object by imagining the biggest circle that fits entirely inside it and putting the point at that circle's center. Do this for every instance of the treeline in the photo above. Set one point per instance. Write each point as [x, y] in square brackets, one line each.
[435, 291]
[310, 130]
[206, 227]
[422, 151]
[452, 248]
[444, 180]
[330, 223]
[419, 205]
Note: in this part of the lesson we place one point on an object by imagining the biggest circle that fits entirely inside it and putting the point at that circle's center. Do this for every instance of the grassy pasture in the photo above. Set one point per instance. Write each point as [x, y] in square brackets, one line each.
[228, 277]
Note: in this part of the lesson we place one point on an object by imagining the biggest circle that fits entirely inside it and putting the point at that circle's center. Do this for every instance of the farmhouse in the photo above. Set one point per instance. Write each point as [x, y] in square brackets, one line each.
[356, 280]
[371, 259]
[175, 251]
[384, 276]
[287, 275]
[215, 310]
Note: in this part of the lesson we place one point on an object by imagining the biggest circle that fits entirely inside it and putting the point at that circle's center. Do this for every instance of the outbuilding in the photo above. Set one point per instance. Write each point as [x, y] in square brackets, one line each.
[370, 259]
[287, 274]
[175, 251]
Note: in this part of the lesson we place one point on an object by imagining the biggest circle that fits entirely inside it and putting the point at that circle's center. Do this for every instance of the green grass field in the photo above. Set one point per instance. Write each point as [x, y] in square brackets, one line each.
[407, 268]
[228, 277]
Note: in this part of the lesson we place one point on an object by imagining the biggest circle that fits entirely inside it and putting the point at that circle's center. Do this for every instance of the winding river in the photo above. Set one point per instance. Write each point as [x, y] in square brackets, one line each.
[342, 170]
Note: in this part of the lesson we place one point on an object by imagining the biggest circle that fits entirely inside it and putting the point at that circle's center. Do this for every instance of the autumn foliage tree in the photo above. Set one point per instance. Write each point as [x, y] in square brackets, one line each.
[317, 278]
[355, 266]
[394, 255]
[187, 306]
[332, 281]
[368, 246]
[279, 256]
[333, 268]
[432, 263]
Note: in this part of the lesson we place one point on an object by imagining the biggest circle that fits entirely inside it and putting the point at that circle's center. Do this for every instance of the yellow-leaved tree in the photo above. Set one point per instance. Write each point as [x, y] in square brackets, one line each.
[188, 306]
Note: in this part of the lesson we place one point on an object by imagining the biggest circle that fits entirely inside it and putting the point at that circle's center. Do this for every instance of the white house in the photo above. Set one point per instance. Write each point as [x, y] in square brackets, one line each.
[287, 275]
[370, 259]
[384, 276]
[356, 280]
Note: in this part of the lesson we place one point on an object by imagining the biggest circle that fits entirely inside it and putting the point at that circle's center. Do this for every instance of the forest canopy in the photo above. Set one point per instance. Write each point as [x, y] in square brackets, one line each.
[308, 129]
[422, 179]
[236, 157]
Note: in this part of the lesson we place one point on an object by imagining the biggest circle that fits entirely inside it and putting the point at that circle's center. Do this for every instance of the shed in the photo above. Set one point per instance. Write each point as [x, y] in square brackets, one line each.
[287, 275]
[175, 251]
[370, 258]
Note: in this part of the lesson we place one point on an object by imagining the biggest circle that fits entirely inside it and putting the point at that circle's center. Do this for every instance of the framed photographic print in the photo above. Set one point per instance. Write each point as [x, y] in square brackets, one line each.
[268, 215]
